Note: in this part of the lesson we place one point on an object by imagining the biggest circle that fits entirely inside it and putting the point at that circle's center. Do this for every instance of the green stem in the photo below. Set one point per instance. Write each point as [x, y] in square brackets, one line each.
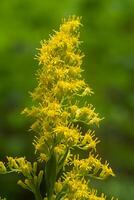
[38, 195]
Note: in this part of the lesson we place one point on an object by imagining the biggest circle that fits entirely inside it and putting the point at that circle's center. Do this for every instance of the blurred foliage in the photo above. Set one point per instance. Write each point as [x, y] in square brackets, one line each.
[108, 44]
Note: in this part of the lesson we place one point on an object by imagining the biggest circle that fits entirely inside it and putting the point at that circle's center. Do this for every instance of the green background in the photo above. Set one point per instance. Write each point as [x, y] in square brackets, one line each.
[108, 35]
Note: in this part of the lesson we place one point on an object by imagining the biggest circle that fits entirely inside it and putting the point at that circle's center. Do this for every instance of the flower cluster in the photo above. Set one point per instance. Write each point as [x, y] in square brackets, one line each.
[2, 198]
[21, 165]
[59, 118]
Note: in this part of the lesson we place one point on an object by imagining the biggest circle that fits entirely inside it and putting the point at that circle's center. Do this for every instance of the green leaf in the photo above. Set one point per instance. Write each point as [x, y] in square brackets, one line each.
[61, 161]
[50, 170]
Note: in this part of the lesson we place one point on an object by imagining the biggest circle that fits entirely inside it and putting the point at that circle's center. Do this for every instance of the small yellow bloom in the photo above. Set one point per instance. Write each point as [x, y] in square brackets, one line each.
[2, 167]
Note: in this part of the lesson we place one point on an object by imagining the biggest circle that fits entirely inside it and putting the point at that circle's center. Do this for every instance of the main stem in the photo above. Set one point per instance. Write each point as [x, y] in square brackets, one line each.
[38, 195]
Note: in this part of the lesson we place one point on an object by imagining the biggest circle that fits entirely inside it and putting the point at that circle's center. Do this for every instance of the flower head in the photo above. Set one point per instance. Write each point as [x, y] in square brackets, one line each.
[60, 117]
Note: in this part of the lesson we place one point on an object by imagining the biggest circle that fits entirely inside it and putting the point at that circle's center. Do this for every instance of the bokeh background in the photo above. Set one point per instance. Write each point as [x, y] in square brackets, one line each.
[108, 35]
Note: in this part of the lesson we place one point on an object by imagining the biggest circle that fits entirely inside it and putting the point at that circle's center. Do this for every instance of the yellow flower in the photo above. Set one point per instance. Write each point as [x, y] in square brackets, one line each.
[2, 168]
[88, 140]
[69, 135]
[62, 123]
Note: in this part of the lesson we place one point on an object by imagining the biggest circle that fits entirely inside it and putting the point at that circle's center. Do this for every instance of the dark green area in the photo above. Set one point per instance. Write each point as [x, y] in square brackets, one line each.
[108, 36]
